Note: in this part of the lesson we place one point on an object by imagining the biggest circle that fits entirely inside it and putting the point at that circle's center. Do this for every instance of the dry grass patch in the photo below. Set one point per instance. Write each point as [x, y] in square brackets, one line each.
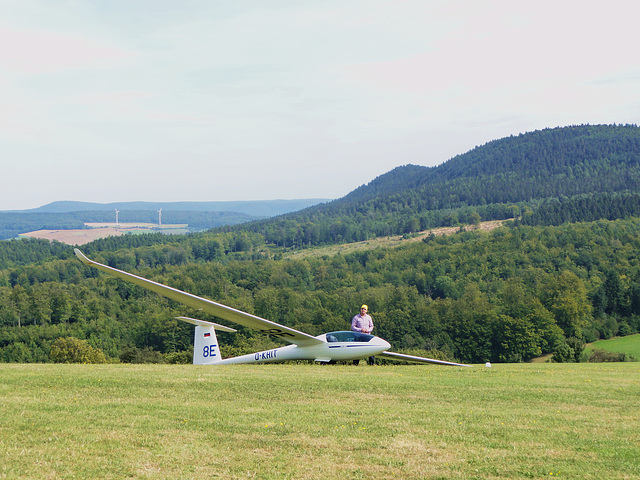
[391, 241]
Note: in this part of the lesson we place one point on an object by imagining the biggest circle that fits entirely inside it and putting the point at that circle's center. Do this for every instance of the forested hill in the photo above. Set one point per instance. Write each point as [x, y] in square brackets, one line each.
[545, 163]
[501, 179]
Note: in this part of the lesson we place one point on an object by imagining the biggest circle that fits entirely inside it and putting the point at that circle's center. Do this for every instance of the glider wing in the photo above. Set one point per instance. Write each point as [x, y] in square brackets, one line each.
[217, 309]
[413, 359]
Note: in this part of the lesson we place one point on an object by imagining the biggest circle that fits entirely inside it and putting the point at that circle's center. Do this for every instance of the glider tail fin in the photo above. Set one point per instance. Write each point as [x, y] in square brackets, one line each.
[205, 346]
[206, 350]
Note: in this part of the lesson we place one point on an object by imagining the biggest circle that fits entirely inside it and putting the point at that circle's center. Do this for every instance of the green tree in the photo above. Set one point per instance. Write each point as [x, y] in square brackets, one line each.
[565, 296]
[74, 350]
[475, 218]
[468, 322]
[518, 340]
[517, 303]
[20, 301]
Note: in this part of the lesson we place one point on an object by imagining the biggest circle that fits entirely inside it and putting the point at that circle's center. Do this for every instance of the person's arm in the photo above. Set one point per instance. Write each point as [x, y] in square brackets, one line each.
[355, 327]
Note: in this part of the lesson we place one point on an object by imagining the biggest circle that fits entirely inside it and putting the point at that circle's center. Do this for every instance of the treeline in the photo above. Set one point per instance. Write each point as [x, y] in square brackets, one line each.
[13, 224]
[369, 222]
[30, 251]
[363, 225]
[495, 181]
[583, 208]
[507, 295]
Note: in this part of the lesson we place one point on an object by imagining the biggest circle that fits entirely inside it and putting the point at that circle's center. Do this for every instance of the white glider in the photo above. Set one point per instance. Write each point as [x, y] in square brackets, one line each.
[328, 347]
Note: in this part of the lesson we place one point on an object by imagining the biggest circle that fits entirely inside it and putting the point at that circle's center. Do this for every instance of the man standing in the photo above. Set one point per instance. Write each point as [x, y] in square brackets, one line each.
[362, 322]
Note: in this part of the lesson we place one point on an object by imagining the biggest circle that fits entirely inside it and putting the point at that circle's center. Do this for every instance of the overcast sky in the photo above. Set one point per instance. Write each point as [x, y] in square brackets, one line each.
[204, 100]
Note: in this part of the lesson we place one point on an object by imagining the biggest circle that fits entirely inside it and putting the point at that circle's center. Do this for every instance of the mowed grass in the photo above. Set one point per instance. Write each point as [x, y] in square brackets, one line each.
[629, 345]
[320, 422]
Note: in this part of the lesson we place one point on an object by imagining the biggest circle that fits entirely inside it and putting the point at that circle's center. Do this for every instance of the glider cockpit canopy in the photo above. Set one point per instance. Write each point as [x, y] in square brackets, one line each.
[346, 336]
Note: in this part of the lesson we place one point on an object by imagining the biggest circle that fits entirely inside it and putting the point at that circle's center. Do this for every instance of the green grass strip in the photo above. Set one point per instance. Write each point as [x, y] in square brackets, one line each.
[320, 422]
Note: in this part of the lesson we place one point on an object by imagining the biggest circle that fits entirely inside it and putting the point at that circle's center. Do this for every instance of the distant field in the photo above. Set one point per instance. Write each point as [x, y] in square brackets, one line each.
[629, 345]
[102, 230]
[320, 422]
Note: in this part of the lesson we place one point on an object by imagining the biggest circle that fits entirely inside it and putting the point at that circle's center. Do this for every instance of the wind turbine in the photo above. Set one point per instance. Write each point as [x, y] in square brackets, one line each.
[160, 217]
[117, 212]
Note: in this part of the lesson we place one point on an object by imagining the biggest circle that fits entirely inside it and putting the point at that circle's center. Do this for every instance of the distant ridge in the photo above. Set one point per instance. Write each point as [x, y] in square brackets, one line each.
[66, 215]
[255, 208]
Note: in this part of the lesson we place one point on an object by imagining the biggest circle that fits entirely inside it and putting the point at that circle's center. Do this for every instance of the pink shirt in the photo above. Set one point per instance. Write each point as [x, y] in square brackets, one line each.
[362, 322]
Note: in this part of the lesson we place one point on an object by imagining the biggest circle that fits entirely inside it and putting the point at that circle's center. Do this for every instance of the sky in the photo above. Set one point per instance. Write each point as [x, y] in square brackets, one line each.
[203, 100]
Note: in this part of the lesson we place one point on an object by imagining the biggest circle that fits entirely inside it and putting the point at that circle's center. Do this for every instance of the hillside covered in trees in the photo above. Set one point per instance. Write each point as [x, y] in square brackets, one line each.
[507, 295]
[538, 285]
[599, 166]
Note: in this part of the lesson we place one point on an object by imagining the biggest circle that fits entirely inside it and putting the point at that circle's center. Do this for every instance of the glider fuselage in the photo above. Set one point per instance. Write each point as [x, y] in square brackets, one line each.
[350, 348]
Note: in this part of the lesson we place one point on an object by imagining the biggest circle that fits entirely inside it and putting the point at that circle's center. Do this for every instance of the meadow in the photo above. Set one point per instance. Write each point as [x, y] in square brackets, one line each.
[629, 345]
[320, 422]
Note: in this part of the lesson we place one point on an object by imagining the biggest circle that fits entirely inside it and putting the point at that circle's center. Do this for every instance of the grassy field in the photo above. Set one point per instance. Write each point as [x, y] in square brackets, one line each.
[629, 345]
[388, 242]
[320, 422]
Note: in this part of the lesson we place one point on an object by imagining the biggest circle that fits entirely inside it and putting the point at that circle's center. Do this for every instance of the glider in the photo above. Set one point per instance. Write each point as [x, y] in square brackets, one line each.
[325, 348]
